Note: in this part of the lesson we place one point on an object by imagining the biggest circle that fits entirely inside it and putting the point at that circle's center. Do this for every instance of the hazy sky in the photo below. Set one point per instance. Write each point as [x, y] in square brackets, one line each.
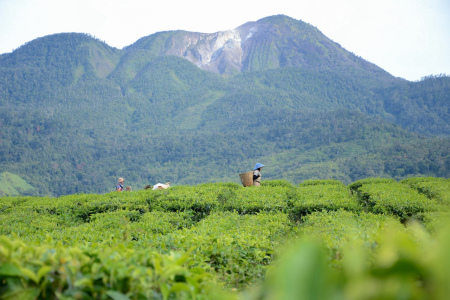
[408, 38]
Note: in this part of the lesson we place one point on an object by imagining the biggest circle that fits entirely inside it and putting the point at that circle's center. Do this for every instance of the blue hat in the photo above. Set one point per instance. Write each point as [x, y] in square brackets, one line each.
[257, 166]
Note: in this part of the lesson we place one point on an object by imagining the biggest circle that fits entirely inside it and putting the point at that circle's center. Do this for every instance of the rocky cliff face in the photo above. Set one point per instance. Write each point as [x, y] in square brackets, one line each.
[272, 42]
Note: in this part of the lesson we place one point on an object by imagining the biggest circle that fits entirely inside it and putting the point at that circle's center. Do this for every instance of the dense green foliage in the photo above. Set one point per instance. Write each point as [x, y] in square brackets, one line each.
[83, 273]
[191, 242]
[421, 106]
[403, 264]
[182, 242]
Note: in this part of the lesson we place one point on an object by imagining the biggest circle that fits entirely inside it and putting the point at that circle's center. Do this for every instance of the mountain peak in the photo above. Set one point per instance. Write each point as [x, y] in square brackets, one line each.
[66, 51]
[277, 19]
[271, 42]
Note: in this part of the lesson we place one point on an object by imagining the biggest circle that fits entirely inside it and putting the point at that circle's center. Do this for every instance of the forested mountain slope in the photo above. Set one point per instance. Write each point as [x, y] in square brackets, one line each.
[422, 106]
[75, 114]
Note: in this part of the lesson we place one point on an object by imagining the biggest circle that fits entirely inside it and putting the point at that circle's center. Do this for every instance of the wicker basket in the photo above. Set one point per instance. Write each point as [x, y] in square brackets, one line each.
[246, 178]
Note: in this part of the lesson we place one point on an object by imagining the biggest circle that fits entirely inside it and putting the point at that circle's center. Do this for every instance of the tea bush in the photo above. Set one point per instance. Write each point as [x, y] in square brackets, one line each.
[100, 272]
[434, 221]
[108, 228]
[395, 198]
[321, 182]
[254, 200]
[30, 225]
[128, 227]
[200, 199]
[433, 188]
[307, 199]
[355, 186]
[273, 183]
[339, 228]
[236, 247]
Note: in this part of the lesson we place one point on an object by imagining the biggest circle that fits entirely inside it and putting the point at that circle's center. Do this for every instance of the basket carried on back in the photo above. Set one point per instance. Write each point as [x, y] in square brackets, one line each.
[246, 178]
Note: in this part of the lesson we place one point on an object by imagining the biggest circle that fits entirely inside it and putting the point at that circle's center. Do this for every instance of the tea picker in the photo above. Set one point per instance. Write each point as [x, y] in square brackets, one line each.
[252, 178]
[257, 174]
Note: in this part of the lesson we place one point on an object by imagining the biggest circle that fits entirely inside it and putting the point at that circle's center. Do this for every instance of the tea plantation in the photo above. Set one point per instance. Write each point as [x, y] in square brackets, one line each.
[373, 239]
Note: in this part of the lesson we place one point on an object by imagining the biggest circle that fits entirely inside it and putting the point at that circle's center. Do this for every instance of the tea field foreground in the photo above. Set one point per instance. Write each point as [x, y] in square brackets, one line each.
[373, 239]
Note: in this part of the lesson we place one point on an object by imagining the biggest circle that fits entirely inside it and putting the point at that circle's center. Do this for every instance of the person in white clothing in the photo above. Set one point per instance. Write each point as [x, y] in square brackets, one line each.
[160, 186]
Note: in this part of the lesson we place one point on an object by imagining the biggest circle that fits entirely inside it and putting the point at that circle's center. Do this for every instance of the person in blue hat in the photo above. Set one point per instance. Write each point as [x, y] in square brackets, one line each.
[257, 174]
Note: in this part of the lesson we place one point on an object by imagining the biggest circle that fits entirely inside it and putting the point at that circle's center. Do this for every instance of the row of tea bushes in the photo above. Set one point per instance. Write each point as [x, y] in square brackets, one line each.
[433, 188]
[314, 196]
[377, 195]
[255, 200]
[127, 227]
[385, 196]
[79, 206]
[30, 225]
[398, 200]
[110, 228]
[337, 229]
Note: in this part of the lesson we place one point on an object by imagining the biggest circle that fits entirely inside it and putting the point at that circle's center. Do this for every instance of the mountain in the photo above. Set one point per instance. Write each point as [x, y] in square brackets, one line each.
[270, 43]
[75, 114]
